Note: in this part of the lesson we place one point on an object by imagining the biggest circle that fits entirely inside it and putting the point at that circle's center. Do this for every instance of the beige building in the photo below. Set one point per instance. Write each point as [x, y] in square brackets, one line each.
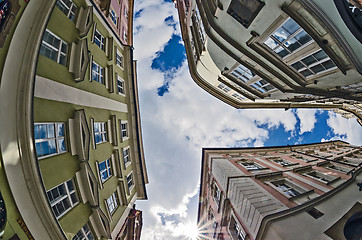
[275, 54]
[310, 191]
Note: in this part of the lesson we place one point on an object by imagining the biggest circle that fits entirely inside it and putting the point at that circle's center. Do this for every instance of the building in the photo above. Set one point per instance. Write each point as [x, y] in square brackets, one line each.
[310, 191]
[72, 161]
[119, 16]
[275, 54]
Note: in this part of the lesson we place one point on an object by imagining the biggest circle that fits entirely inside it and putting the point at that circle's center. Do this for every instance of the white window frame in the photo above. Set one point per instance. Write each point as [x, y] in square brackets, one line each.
[70, 11]
[58, 139]
[217, 195]
[103, 132]
[112, 203]
[235, 229]
[130, 180]
[224, 87]
[125, 13]
[280, 44]
[125, 35]
[67, 196]
[309, 67]
[251, 165]
[56, 49]
[99, 41]
[283, 162]
[290, 186]
[113, 16]
[124, 130]
[126, 156]
[98, 72]
[320, 176]
[120, 85]
[119, 59]
[84, 233]
[108, 170]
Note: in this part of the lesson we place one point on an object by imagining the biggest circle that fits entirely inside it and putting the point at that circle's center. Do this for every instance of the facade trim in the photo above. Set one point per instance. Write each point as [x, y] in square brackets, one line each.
[52, 90]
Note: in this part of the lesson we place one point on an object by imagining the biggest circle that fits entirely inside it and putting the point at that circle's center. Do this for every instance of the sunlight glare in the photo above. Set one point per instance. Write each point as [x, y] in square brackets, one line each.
[191, 231]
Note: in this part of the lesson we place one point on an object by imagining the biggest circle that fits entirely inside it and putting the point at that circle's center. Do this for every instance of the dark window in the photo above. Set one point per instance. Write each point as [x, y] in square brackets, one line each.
[244, 11]
[315, 213]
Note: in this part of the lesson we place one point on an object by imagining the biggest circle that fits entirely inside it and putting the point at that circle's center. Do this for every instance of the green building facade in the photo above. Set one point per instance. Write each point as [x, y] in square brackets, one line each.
[79, 156]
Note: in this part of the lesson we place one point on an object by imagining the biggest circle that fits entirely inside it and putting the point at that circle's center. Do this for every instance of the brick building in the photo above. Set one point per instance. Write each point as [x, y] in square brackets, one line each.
[279, 192]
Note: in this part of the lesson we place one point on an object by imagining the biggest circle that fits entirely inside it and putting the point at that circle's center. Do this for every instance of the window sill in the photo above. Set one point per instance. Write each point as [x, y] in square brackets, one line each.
[299, 196]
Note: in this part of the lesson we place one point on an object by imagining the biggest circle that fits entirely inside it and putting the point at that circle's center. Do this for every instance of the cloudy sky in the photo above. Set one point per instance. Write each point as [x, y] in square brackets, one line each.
[179, 118]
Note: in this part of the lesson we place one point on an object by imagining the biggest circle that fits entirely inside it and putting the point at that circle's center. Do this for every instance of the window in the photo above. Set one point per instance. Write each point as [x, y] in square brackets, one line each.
[105, 170]
[124, 35]
[124, 129]
[119, 59]
[112, 203]
[238, 96]
[243, 73]
[250, 166]
[84, 234]
[130, 183]
[120, 85]
[314, 63]
[62, 198]
[114, 17]
[245, 11]
[288, 38]
[99, 39]
[339, 168]
[126, 158]
[263, 86]
[217, 194]
[224, 87]
[288, 188]
[325, 178]
[284, 163]
[200, 25]
[126, 13]
[236, 230]
[49, 138]
[68, 8]
[100, 132]
[97, 73]
[54, 47]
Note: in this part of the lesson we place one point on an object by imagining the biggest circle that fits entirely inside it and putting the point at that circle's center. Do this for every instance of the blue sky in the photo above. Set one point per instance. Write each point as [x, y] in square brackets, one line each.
[179, 118]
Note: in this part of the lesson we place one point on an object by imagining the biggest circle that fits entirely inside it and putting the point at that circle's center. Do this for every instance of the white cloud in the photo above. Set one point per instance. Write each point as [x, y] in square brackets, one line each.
[346, 129]
[307, 119]
[177, 125]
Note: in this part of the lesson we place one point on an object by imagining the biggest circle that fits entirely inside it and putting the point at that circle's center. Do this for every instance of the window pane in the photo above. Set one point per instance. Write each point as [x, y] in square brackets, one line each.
[297, 65]
[292, 44]
[328, 64]
[282, 52]
[320, 55]
[61, 129]
[61, 143]
[44, 148]
[318, 68]
[42, 131]
[291, 26]
[52, 147]
[70, 185]
[303, 37]
[51, 130]
[309, 60]
[306, 73]
[271, 43]
[281, 34]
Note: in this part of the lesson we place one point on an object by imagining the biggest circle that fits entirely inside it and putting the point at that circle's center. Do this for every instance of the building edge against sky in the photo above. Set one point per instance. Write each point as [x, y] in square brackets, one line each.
[72, 160]
[279, 192]
[275, 54]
